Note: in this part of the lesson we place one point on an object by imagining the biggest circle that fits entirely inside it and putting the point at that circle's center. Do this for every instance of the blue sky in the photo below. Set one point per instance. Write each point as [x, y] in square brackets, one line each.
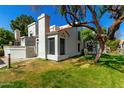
[7, 13]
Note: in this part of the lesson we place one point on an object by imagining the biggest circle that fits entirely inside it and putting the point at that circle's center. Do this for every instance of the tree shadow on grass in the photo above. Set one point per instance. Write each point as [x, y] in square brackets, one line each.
[87, 57]
[113, 61]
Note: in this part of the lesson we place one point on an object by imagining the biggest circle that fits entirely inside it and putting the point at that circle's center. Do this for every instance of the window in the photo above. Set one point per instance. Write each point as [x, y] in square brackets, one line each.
[79, 36]
[51, 45]
[62, 46]
[78, 47]
[31, 34]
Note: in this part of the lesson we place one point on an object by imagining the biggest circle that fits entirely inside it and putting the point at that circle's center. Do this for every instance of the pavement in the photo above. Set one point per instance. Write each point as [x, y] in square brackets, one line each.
[4, 61]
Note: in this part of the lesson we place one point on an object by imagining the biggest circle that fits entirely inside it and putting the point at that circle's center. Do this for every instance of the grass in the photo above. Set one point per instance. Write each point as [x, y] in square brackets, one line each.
[71, 73]
[113, 61]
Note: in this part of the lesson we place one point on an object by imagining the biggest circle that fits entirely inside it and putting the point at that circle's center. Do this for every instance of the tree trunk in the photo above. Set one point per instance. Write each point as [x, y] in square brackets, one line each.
[100, 51]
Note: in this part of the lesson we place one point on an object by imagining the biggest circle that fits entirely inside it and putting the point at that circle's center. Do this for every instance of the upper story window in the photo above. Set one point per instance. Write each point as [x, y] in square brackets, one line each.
[31, 33]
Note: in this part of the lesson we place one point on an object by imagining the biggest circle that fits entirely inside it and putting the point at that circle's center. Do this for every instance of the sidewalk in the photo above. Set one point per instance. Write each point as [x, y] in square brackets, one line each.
[4, 61]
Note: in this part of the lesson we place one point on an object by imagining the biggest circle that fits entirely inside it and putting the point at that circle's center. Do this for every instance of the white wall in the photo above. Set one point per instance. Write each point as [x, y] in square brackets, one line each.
[30, 51]
[28, 41]
[71, 43]
[54, 28]
[17, 34]
[43, 28]
[32, 29]
[20, 52]
[55, 56]
[22, 41]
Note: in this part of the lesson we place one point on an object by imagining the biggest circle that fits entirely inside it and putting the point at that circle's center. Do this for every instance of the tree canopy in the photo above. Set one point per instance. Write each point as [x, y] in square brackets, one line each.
[87, 34]
[5, 36]
[21, 23]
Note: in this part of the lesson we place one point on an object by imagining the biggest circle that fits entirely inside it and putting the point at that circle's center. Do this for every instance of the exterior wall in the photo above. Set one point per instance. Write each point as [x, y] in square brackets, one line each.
[17, 34]
[36, 46]
[16, 52]
[121, 46]
[71, 44]
[51, 56]
[22, 41]
[30, 51]
[43, 28]
[20, 52]
[28, 41]
[32, 29]
[54, 28]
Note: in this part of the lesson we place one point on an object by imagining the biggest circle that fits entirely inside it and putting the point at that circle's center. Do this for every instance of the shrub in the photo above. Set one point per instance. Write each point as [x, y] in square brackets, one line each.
[85, 51]
[113, 44]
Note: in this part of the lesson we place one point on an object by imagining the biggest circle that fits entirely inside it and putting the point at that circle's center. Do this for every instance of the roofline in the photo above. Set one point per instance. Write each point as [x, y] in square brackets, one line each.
[32, 24]
[52, 33]
[56, 32]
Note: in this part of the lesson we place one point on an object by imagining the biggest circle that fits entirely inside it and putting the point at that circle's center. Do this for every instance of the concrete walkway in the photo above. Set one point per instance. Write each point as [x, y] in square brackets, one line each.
[4, 61]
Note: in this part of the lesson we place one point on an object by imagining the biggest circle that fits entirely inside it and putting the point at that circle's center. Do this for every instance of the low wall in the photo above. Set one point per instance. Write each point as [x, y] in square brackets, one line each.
[19, 51]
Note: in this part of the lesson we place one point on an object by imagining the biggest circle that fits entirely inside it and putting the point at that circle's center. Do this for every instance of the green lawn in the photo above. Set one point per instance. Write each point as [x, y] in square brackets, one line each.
[72, 73]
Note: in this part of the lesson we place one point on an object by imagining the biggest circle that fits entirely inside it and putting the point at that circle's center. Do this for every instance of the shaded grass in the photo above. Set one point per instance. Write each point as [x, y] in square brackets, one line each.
[113, 61]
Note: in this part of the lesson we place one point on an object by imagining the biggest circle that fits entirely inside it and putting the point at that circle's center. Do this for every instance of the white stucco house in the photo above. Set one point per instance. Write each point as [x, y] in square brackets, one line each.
[47, 42]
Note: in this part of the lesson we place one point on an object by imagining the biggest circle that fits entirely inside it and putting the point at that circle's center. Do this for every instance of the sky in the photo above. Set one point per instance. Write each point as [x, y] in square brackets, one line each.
[10, 12]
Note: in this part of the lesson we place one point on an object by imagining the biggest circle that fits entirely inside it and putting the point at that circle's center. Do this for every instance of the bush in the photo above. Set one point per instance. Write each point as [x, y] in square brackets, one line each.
[85, 51]
[113, 44]
[1, 52]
